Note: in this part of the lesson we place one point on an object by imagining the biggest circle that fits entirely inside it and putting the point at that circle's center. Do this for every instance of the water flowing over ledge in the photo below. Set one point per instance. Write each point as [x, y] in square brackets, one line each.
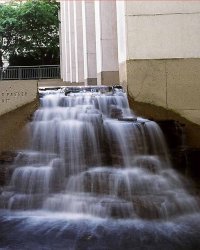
[93, 170]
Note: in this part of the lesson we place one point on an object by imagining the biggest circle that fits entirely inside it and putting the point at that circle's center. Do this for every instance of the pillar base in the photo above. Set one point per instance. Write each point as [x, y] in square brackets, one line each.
[108, 78]
[91, 81]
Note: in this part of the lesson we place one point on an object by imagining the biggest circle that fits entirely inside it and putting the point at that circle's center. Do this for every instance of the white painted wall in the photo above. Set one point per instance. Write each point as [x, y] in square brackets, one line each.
[14, 94]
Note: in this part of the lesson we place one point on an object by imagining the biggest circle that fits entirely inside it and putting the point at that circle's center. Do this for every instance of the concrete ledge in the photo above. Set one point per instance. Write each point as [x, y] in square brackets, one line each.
[51, 82]
[57, 83]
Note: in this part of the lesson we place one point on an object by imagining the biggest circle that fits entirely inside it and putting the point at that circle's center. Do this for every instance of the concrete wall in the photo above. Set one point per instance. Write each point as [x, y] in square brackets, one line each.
[18, 101]
[14, 94]
[157, 30]
[13, 134]
[160, 54]
[173, 84]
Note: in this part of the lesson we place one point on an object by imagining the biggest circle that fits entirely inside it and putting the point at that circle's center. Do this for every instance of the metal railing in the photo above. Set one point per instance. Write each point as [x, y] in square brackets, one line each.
[30, 72]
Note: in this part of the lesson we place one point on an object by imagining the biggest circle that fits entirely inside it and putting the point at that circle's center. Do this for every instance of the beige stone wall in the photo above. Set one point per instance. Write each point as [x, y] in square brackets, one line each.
[161, 7]
[159, 29]
[160, 54]
[163, 36]
[13, 134]
[108, 78]
[173, 84]
[14, 94]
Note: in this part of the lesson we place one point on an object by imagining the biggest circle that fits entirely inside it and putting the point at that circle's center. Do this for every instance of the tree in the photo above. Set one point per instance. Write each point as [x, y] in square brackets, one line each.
[29, 32]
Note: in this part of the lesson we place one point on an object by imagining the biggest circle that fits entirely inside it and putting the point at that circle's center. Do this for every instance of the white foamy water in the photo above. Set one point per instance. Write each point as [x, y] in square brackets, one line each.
[89, 156]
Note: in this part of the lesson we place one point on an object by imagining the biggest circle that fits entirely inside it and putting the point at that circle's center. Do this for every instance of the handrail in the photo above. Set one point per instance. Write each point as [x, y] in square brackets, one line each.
[34, 66]
[30, 72]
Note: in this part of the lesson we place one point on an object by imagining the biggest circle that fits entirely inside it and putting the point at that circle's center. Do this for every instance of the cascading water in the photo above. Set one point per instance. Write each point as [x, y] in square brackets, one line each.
[95, 177]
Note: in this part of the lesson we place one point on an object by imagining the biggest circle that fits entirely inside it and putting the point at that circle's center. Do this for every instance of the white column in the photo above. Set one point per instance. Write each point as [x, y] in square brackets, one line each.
[78, 23]
[65, 63]
[106, 42]
[62, 44]
[71, 41]
[122, 41]
[121, 30]
[89, 42]
[68, 72]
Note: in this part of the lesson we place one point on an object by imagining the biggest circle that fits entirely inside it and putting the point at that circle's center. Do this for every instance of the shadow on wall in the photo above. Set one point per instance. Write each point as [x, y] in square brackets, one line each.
[12, 124]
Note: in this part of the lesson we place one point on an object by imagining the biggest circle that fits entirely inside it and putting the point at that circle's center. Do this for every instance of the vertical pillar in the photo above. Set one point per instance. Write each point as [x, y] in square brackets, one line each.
[122, 42]
[89, 42]
[78, 23]
[106, 42]
[62, 44]
[71, 41]
[68, 71]
[65, 62]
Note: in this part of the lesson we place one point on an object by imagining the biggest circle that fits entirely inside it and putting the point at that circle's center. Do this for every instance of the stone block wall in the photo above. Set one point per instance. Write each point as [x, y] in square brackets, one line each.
[14, 94]
[18, 101]
[173, 84]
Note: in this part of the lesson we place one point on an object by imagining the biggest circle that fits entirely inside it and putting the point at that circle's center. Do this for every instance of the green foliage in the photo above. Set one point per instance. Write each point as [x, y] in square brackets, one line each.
[30, 30]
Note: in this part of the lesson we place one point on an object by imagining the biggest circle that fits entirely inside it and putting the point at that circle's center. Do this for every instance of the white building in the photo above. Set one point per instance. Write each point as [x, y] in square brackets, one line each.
[150, 47]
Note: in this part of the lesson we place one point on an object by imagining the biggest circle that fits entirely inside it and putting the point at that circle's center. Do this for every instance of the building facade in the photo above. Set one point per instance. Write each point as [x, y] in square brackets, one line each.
[152, 48]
